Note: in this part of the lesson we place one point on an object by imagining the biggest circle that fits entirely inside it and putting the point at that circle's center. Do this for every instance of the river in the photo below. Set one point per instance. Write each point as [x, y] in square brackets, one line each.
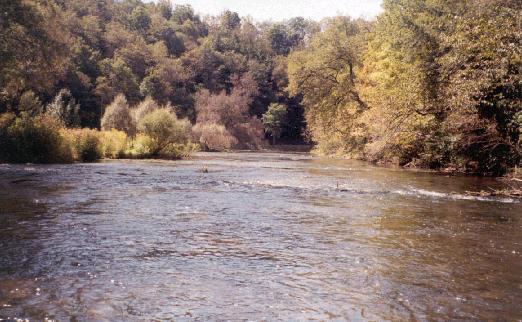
[260, 236]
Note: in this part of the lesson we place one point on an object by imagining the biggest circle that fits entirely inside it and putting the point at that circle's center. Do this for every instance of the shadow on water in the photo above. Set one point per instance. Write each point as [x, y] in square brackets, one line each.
[24, 216]
[260, 236]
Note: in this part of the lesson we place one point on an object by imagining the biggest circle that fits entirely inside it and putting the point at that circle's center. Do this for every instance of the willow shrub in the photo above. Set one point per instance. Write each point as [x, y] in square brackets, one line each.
[33, 140]
[213, 137]
[141, 147]
[114, 144]
[167, 133]
[86, 144]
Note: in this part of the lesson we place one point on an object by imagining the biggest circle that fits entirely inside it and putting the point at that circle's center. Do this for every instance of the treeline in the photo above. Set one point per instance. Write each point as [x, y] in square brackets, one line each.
[75, 60]
[430, 83]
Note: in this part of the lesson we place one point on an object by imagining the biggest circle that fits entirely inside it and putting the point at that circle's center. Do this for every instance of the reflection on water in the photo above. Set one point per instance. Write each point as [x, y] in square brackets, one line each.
[262, 236]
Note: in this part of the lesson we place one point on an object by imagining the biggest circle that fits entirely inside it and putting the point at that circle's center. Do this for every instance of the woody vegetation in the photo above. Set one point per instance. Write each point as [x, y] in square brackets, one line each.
[429, 83]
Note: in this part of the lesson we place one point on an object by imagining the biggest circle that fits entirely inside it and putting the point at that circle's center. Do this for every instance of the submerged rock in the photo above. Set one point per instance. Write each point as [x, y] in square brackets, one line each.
[202, 170]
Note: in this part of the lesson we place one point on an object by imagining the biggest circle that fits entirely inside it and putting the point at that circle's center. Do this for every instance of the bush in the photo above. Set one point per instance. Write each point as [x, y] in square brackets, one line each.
[214, 137]
[90, 148]
[142, 147]
[32, 141]
[113, 144]
[118, 116]
[147, 106]
[164, 130]
[249, 134]
[65, 109]
[86, 144]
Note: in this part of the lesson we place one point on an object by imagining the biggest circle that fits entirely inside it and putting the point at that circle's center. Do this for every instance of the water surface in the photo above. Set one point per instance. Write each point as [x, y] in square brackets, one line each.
[261, 236]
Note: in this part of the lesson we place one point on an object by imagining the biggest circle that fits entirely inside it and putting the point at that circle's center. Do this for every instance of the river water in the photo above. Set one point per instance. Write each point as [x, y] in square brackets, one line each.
[261, 236]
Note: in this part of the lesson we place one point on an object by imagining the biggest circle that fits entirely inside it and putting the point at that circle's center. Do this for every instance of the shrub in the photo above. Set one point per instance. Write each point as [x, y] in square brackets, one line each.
[141, 147]
[117, 116]
[231, 110]
[86, 144]
[90, 148]
[164, 129]
[147, 106]
[250, 134]
[214, 137]
[113, 144]
[65, 109]
[32, 141]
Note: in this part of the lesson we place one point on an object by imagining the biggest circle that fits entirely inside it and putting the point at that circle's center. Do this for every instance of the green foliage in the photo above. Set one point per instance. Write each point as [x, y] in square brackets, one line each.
[230, 20]
[86, 144]
[32, 50]
[141, 147]
[147, 106]
[64, 109]
[165, 131]
[284, 36]
[430, 82]
[456, 60]
[274, 120]
[29, 105]
[35, 140]
[88, 147]
[88, 52]
[116, 78]
[113, 144]
[325, 74]
[118, 116]
[482, 68]
[140, 20]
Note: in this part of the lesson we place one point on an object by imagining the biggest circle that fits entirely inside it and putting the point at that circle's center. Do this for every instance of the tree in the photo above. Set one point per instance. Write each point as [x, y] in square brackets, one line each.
[230, 20]
[284, 36]
[325, 74]
[163, 128]
[165, 8]
[274, 120]
[147, 106]
[406, 117]
[482, 70]
[140, 20]
[65, 109]
[184, 13]
[117, 78]
[33, 49]
[117, 116]
[232, 110]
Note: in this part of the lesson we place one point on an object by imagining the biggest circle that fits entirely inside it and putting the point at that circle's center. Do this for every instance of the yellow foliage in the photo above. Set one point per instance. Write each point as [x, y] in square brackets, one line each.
[85, 142]
[113, 144]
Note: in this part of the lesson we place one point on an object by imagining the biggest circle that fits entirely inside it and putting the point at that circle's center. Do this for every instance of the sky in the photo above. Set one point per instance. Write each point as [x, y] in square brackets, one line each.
[279, 10]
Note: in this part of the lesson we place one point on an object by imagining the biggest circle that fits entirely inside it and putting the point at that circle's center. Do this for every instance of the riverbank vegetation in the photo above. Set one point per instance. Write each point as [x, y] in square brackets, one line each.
[429, 83]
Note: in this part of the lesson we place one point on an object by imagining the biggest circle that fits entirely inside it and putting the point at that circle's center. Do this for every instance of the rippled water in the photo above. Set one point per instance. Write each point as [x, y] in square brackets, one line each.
[261, 236]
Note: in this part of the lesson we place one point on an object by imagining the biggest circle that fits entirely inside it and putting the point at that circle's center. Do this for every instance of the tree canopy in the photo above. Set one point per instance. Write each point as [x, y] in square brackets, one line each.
[429, 82]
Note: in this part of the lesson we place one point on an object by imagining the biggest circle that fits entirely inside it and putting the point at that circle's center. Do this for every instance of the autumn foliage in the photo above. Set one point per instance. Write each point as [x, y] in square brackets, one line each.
[429, 83]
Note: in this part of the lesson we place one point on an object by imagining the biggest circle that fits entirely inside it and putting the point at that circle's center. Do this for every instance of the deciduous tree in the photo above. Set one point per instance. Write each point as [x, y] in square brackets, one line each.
[325, 74]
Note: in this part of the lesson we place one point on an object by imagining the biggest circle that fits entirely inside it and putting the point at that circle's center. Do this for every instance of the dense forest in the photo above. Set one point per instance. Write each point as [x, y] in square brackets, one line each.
[428, 83]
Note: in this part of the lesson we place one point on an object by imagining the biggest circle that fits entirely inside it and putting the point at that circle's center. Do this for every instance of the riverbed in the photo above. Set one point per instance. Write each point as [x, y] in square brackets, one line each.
[254, 236]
